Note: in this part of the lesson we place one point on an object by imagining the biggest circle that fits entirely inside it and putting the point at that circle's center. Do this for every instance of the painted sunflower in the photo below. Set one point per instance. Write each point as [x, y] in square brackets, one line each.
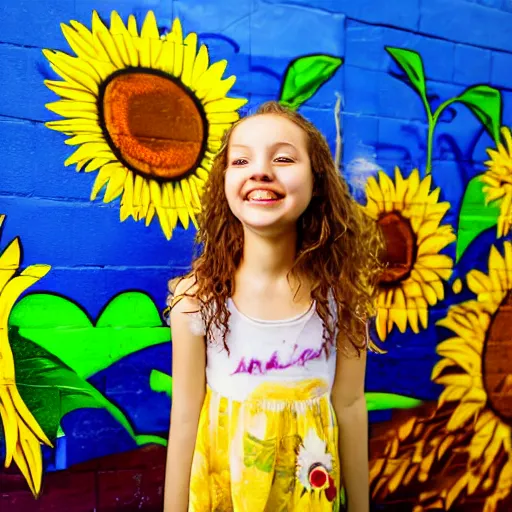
[146, 111]
[498, 181]
[23, 435]
[477, 374]
[409, 215]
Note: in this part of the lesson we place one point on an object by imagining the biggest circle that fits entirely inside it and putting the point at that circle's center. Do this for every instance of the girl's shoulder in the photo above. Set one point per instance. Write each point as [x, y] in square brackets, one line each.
[182, 296]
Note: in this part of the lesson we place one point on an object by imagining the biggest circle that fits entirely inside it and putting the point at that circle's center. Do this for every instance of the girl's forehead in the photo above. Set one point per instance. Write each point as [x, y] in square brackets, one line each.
[267, 128]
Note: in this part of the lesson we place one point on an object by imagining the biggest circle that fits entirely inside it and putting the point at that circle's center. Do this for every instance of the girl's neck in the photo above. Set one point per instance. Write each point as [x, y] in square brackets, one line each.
[268, 257]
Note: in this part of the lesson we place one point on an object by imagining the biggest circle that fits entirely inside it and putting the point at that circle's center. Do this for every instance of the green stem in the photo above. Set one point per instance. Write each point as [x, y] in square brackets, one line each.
[430, 132]
[432, 122]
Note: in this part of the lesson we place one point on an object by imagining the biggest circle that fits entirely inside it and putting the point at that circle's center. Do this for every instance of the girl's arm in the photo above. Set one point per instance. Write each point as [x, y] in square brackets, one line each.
[189, 382]
[350, 406]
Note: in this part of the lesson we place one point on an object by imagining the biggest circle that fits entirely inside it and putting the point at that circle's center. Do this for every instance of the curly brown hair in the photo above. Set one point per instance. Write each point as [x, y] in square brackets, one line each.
[338, 245]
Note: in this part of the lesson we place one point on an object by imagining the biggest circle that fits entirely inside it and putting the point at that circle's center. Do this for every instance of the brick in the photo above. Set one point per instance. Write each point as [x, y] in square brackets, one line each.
[284, 41]
[79, 222]
[94, 433]
[76, 490]
[398, 100]
[120, 489]
[500, 69]
[324, 120]
[402, 142]
[360, 136]
[450, 20]
[24, 94]
[35, 24]
[366, 48]
[396, 14]
[18, 502]
[361, 90]
[472, 65]
[495, 4]
[22, 143]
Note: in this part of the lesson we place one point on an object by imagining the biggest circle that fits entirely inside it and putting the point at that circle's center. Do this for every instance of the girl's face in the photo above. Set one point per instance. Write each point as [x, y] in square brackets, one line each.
[268, 181]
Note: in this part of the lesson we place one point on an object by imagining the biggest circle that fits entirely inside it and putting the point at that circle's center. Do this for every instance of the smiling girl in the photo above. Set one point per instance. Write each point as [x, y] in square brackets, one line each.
[270, 331]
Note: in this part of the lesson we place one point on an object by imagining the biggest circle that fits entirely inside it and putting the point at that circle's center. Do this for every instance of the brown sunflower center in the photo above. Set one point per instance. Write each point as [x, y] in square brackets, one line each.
[400, 247]
[497, 363]
[156, 126]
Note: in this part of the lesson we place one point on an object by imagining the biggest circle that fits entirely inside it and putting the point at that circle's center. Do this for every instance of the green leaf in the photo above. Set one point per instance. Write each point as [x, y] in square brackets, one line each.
[130, 309]
[51, 390]
[129, 323]
[410, 61]
[305, 76]
[485, 103]
[160, 382]
[384, 401]
[475, 215]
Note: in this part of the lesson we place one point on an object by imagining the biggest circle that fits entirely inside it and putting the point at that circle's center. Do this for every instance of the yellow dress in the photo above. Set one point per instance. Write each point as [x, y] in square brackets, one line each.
[268, 439]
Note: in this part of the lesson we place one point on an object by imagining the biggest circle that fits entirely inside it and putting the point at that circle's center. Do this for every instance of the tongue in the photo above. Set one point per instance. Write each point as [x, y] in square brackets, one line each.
[262, 195]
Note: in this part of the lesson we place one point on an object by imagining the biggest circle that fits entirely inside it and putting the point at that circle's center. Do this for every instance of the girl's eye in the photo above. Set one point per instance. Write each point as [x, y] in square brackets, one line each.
[239, 161]
[283, 159]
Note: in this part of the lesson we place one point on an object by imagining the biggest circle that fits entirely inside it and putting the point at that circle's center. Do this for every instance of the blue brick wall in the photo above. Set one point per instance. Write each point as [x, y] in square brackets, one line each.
[95, 257]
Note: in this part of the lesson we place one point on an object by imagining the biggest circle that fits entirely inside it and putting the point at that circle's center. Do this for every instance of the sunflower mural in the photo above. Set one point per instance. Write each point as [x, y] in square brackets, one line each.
[409, 214]
[145, 111]
[497, 181]
[23, 435]
[463, 449]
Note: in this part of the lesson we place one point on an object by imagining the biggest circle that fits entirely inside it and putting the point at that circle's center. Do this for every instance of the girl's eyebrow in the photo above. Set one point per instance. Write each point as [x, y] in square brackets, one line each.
[275, 145]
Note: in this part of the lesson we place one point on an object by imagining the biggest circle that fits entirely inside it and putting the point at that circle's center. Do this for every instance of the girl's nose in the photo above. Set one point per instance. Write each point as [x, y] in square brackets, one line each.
[262, 172]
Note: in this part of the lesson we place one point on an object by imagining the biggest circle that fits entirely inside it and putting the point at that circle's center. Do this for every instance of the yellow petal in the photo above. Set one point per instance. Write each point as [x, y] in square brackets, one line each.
[177, 35]
[72, 126]
[434, 244]
[96, 163]
[103, 38]
[74, 70]
[381, 323]
[224, 105]
[412, 186]
[102, 179]
[196, 200]
[87, 151]
[181, 206]
[400, 189]
[164, 220]
[189, 55]
[388, 191]
[9, 262]
[81, 46]
[115, 185]
[374, 192]
[121, 36]
[155, 192]
[85, 34]
[67, 91]
[200, 65]
[132, 26]
[222, 118]
[166, 58]
[150, 27]
[187, 194]
[412, 315]
[126, 209]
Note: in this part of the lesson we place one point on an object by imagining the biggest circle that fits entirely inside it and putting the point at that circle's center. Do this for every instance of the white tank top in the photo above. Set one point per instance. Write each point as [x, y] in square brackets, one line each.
[262, 351]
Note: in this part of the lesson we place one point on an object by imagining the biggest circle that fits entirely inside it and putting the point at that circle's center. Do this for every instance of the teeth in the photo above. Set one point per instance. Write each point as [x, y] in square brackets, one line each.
[262, 195]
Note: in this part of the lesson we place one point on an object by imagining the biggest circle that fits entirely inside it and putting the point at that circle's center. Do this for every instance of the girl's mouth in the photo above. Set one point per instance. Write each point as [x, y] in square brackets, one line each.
[263, 196]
